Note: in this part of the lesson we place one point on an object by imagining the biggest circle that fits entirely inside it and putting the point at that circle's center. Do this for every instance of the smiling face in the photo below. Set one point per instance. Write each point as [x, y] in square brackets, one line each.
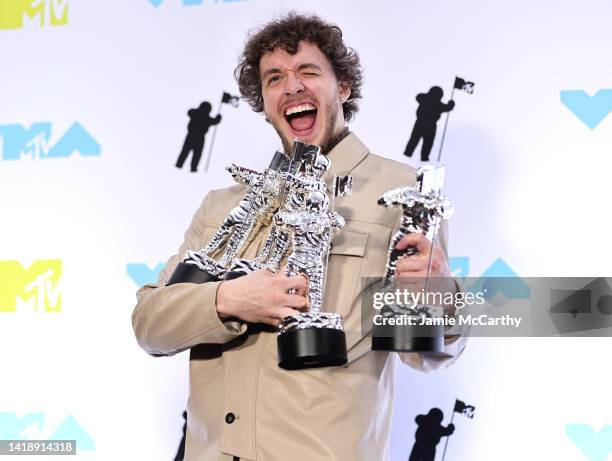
[302, 97]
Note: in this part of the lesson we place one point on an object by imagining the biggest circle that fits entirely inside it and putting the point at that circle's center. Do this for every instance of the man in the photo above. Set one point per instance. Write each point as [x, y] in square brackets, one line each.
[299, 73]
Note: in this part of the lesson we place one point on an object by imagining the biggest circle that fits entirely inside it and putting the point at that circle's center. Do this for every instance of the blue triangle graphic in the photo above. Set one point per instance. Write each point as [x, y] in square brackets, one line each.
[70, 429]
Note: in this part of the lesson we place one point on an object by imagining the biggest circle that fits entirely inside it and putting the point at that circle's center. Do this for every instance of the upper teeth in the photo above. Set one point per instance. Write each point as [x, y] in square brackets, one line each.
[302, 108]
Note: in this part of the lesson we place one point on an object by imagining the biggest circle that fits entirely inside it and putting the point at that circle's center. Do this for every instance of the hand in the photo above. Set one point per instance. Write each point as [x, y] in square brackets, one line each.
[411, 271]
[262, 297]
[416, 265]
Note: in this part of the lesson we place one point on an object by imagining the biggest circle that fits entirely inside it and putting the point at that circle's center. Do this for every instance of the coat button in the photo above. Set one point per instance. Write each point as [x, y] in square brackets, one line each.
[229, 418]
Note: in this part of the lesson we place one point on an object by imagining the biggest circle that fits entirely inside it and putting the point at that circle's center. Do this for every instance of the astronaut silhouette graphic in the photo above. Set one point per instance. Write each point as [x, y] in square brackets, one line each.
[199, 123]
[428, 113]
[180, 453]
[428, 435]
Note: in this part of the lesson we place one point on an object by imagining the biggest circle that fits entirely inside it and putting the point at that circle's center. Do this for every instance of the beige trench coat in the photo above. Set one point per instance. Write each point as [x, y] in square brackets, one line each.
[240, 402]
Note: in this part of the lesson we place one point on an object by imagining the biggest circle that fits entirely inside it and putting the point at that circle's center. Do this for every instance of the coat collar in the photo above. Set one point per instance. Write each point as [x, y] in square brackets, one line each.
[345, 155]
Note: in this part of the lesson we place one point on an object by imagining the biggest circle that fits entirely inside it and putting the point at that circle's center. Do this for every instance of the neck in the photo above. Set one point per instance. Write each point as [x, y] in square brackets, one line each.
[328, 146]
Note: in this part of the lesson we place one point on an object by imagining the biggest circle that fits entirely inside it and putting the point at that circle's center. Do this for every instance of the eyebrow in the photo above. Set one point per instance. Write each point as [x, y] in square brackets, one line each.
[301, 67]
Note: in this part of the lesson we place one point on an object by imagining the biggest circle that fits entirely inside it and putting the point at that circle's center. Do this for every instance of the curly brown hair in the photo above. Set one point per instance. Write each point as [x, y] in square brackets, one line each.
[286, 33]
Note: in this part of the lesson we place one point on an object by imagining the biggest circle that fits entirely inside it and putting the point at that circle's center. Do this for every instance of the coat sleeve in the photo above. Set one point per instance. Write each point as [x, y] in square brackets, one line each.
[453, 345]
[170, 319]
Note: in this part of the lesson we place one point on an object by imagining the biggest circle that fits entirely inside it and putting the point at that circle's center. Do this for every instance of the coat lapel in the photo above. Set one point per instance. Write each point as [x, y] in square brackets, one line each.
[347, 154]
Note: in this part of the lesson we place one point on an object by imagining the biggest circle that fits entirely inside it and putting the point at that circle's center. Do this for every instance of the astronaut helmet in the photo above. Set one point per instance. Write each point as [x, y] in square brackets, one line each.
[317, 202]
[320, 166]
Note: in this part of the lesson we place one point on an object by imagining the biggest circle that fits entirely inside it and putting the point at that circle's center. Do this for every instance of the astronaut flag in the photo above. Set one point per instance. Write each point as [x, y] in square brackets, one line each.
[343, 186]
[462, 408]
[229, 99]
[226, 98]
[461, 84]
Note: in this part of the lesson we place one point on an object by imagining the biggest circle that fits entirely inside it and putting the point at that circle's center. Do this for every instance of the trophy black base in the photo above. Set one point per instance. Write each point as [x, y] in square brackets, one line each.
[402, 338]
[188, 273]
[311, 348]
[231, 275]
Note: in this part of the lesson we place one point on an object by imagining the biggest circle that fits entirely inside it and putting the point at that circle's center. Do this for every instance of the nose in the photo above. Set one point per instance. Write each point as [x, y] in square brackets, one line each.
[293, 84]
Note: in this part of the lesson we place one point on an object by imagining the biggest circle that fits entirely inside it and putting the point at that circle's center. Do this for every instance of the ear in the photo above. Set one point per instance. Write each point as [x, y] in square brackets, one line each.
[345, 92]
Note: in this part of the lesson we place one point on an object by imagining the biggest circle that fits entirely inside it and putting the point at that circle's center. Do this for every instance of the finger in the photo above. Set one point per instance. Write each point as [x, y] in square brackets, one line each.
[407, 241]
[302, 291]
[283, 312]
[276, 315]
[295, 282]
[415, 277]
[414, 257]
[294, 301]
[426, 269]
[439, 254]
[411, 283]
[411, 240]
[424, 245]
[438, 261]
[412, 263]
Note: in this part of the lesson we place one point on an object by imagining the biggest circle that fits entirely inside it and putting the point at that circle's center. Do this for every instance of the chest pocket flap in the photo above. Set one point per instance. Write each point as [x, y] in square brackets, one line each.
[349, 243]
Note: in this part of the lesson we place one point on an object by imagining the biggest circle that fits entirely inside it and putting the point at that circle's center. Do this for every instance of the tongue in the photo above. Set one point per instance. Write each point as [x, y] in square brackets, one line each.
[303, 122]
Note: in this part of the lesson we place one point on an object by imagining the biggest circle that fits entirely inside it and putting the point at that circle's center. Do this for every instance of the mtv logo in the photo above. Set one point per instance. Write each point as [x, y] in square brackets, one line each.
[501, 278]
[70, 429]
[596, 446]
[590, 110]
[460, 266]
[17, 142]
[36, 288]
[48, 12]
[141, 274]
[31, 427]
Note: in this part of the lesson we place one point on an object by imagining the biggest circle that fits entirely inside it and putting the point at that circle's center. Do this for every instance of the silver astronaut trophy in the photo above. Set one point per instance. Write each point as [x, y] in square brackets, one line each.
[261, 200]
[271, 194]
[423, 209]
[313, 338]
[311, 167]
[277, 243]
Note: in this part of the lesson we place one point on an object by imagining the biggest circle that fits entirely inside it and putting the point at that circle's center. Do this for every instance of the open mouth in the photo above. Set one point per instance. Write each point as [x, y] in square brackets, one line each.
[301, 118]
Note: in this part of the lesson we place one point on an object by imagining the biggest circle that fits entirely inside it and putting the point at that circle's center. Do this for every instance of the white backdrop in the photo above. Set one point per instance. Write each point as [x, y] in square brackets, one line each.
[528, 177]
